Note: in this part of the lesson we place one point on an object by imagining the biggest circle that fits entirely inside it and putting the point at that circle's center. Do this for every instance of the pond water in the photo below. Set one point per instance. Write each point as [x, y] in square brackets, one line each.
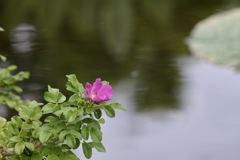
[178, 107]
[206, 127]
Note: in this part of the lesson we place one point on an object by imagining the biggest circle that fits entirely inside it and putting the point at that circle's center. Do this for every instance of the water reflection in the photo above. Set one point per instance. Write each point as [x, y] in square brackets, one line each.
[158, 82]
[205, 128]
[173, 112]
[23, 38]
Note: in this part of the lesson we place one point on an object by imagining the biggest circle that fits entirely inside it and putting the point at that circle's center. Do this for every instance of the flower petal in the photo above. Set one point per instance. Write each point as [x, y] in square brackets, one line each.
[97, 85]
[105, 93]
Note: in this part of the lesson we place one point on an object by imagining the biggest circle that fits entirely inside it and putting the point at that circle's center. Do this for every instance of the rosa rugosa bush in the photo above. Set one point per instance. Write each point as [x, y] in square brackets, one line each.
[52, 130]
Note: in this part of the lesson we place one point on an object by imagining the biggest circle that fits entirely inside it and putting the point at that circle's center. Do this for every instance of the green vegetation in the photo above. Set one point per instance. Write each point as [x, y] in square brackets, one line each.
[50, 131]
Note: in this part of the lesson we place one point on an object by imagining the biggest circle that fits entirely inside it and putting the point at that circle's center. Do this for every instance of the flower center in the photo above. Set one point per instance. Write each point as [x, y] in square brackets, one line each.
[93, 95]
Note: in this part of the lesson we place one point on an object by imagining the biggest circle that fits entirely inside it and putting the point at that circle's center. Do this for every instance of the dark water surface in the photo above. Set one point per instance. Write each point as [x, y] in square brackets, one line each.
[178, 107]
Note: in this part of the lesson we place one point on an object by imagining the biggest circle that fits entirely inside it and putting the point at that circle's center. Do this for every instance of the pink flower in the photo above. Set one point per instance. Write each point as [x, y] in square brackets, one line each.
[98, 92]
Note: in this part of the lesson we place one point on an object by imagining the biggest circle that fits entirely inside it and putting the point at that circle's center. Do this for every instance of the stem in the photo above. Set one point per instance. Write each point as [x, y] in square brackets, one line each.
[4, 152]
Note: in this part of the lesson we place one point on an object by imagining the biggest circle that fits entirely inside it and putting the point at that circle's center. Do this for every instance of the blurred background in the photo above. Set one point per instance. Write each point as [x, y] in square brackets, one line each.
[178, 107]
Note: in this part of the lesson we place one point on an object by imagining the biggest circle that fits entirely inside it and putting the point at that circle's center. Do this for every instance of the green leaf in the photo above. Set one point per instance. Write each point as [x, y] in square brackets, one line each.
[15, 139]
[61, 98]
[36, 156]
[2, 122]
[74, 98]
[98, 113]
[54, 96]
[1, 29]
[96, 135]
[117, 106]
[36, 113]
[30, 146]
[62, 135]
[87, 150]
[3, 58]
[12, 67]
[73, 85]
[25, 114]
[102, 121]
[52, 157]
[48, 108]
[44, 136]
[19, 147]
[85, 132]
[15, 157]
[13, 128]
[6, 133]
[76, 134]
[71, 141]
[68, 156]
[87, 120]
[105, 82]
[2, 143]
[50, 97]
[56, 150]
[109, 111]
[89, 110]
[98, 146]
[17, 121]
[46, 150]
[71, 116]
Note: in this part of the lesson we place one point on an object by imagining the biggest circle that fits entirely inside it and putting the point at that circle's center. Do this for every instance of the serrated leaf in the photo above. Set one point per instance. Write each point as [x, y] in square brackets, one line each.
[96, 135]
[87, 150]
[109, 111]
[19, 147]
